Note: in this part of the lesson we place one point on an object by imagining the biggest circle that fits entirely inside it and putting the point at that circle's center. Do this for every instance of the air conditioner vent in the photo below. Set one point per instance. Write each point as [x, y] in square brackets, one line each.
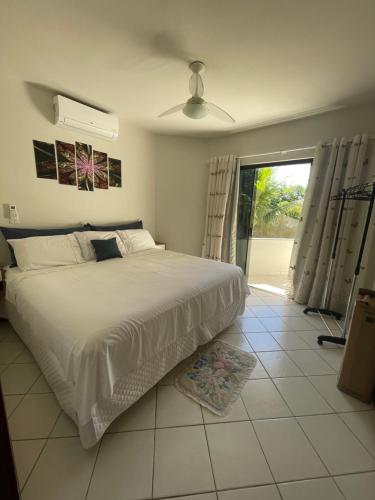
[72, 114]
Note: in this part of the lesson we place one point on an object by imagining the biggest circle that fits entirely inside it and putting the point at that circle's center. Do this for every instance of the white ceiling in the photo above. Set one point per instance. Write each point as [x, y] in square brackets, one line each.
[267, 60]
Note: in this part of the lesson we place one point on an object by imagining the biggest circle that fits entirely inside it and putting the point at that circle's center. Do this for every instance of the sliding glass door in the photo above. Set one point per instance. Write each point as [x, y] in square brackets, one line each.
[269, 207]
[245, 214]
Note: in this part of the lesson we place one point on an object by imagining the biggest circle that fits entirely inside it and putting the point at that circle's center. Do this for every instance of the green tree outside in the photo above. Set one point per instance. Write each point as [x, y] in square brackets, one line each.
[278, 206]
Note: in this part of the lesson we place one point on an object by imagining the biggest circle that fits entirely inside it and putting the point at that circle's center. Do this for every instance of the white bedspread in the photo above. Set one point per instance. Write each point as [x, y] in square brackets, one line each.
[92, 327]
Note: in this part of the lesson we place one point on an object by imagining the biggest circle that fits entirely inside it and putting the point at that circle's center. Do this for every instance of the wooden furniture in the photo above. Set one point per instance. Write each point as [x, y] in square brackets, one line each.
[357, 374]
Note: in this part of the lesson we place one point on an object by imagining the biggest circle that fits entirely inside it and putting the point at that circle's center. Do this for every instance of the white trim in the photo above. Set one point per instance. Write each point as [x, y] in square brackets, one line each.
[283, 152]
[286, 154]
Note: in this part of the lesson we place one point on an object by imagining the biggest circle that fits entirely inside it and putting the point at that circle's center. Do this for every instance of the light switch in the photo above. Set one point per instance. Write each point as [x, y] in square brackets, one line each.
[13, 215]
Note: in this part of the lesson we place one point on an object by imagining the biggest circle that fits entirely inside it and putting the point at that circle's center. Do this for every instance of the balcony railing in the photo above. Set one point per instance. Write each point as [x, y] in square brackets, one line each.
[269, 256]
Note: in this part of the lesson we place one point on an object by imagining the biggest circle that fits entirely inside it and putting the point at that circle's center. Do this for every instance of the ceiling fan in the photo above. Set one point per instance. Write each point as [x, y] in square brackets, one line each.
[196, 107]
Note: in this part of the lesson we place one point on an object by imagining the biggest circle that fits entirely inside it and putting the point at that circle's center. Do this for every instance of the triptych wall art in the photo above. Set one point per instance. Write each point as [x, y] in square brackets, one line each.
[76, 165]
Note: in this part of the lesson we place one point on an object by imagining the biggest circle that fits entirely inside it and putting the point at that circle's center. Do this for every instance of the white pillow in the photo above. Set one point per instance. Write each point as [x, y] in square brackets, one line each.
[136, 240]
[37, 252]
[84, 239]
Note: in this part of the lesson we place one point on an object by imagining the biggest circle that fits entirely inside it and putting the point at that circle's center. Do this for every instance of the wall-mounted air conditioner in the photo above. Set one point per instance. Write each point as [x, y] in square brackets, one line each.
[72, 114]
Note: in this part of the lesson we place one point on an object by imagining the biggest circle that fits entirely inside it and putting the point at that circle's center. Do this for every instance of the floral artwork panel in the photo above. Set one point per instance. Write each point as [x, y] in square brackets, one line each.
[114, 167]
[100, 161]
[45, 160]
[85, 169]
[66, 163]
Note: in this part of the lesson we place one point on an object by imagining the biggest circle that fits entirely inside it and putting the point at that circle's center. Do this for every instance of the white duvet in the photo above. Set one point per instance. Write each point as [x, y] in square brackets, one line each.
[105, 332]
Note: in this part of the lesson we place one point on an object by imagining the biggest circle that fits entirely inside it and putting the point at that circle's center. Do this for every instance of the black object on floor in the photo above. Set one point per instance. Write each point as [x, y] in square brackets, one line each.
[326, 312]
[330, 338]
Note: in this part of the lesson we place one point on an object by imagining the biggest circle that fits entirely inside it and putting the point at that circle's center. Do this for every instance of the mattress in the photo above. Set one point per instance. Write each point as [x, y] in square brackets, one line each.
[103, 333]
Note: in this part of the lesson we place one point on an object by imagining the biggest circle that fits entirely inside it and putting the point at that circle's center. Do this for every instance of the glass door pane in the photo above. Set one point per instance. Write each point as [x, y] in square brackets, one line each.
[279, 196]
[245, 212]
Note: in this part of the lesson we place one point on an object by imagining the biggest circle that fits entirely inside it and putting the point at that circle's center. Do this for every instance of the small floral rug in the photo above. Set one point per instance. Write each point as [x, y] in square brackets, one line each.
[215, 375]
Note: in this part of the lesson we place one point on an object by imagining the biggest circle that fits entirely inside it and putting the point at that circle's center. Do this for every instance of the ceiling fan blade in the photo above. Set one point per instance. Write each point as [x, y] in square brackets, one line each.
[196, 85]
[219, 113]
[172, 110]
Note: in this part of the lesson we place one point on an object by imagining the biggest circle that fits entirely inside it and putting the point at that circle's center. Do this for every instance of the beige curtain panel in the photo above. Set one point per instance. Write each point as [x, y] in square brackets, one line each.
[342, 164]
[221, 214]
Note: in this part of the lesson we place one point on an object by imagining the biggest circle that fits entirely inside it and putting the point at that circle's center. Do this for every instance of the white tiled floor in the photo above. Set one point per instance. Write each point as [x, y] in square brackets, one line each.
[247, 465]
[288, 450]
[336, 444]
[182, 461]
[292, 435]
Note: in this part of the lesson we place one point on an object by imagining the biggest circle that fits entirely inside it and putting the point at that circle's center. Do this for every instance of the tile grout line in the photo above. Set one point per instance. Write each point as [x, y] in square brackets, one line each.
[151, 428]
[313, 350]
[44, 445]
[41, 451]
[299, 424]
[17, 405]
[93, 468]
[296, 419]
[315, 389]
[328, 363]
[34, 465]
[236, 488]
[312, 445]
[338, 487]
[55, 424]
[198, 424]
[261, 447]
[209, 451]
[356, 437]
[329, 404]
[307, 437]
[154, 450]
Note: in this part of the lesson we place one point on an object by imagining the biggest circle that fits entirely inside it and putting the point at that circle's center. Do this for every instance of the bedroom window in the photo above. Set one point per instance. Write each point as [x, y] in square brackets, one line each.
[270, 203]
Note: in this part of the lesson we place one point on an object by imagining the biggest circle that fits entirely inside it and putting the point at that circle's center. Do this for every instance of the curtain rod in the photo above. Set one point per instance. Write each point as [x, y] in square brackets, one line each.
[285, 151]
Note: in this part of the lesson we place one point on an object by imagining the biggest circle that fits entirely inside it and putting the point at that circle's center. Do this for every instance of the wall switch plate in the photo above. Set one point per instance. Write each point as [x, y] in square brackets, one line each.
[13, 215]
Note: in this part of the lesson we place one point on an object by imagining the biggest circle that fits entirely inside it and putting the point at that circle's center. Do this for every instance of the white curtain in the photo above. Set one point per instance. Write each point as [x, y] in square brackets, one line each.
[340, 165]
[221, 215]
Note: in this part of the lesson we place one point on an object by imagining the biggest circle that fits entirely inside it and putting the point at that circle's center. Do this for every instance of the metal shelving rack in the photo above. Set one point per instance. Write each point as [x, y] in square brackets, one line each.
[361, 192]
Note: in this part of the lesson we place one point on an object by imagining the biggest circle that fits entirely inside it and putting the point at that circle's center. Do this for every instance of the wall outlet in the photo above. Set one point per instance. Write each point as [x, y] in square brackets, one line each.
[13, 215]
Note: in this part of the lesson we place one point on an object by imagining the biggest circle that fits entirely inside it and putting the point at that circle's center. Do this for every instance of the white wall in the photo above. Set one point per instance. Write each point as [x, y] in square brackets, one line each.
[297, 133]
[27, 114]
[181, 192]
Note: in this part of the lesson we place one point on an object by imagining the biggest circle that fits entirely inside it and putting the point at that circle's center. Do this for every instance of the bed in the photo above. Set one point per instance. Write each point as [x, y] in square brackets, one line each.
[103, 333]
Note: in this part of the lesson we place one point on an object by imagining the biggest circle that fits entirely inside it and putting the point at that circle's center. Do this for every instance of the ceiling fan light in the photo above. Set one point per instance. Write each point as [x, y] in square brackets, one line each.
[195, 110]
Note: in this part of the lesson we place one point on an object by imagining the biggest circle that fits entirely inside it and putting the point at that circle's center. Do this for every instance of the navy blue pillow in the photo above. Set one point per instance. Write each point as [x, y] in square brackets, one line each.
[12, 233]
[138, 224]
[106, 249]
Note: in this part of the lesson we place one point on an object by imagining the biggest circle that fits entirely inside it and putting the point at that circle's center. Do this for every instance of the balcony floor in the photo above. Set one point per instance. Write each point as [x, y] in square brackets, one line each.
[274, 283]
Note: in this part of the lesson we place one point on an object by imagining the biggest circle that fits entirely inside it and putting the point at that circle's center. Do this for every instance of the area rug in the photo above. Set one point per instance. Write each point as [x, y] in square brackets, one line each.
[215, 375]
